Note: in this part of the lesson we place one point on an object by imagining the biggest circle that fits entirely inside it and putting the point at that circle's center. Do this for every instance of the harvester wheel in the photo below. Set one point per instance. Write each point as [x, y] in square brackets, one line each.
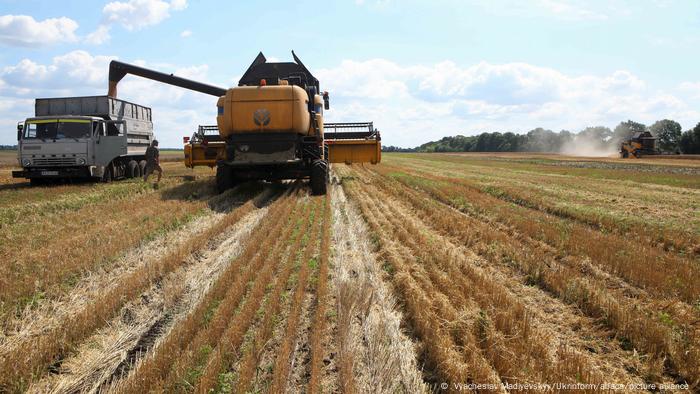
[319, 177]
[132, 169]
[224, 178]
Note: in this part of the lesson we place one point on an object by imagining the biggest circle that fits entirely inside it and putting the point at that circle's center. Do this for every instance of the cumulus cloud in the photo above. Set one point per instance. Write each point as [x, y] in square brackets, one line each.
[186, 33]
[76, 70]
[99, 36]
[176, 111]
[411, 104]
[24, 30]
[137, 14]
[448, 98]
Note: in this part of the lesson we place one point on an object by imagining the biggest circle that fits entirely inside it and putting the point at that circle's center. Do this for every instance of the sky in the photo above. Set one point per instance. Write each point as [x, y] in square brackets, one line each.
[420, 70]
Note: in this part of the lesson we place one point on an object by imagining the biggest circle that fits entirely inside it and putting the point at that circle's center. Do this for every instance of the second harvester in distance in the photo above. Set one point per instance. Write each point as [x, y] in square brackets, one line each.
[269, 127]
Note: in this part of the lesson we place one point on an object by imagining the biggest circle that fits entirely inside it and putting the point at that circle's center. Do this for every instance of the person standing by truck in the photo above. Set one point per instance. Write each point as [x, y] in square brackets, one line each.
[153, 162]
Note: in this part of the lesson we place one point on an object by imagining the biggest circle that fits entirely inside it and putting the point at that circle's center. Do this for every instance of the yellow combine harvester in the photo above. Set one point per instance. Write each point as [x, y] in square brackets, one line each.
[640, 143]
[269, 127]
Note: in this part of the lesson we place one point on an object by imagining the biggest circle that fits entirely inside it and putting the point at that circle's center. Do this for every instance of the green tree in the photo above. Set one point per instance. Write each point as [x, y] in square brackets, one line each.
[690, 141]
[668, 132]
[625, 130]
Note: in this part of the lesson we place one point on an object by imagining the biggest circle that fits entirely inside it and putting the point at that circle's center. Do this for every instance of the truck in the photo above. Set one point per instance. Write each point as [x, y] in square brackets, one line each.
[92, 137]
[269, 127]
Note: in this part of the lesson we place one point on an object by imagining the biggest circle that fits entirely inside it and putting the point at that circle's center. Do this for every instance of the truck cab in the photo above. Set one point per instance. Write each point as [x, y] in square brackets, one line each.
[51, 147]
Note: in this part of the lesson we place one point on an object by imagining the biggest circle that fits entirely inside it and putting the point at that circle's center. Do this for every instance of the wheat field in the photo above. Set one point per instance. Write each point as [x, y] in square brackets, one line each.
[426, 273]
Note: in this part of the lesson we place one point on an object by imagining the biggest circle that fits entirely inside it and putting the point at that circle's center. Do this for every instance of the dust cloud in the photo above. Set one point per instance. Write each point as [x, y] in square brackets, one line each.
[583, 145]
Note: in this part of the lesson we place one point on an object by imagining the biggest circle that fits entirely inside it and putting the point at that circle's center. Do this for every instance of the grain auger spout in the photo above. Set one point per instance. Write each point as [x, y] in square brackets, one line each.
[118, 70]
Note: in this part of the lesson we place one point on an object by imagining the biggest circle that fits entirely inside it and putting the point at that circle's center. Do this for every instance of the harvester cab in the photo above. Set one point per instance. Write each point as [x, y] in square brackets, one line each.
[269, 127]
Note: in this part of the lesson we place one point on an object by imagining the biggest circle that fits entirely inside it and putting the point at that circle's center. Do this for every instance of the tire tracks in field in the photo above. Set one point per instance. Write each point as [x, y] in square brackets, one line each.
[371, 353]
[567, 328]
[54, 325]
[178, 360]
[604, 290]
[109, 354]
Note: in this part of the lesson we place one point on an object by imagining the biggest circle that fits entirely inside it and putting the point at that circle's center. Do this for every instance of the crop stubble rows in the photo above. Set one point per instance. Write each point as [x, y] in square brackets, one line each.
[514, 241]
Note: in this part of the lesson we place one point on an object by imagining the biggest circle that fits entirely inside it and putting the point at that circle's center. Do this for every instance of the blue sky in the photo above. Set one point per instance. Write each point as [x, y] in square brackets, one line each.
[419, 69]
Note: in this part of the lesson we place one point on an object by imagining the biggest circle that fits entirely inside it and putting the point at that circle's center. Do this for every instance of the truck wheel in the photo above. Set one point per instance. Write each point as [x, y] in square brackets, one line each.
[132, 169]
[319, 177]
[224, 178]
[107, 176]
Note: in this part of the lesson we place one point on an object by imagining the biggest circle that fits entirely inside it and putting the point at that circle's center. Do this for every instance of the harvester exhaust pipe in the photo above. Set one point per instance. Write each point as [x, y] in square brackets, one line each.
[118, 70]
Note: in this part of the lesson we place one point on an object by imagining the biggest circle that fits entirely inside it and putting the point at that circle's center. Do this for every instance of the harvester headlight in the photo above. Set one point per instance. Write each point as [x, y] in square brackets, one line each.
[26, 162]
[81, 161]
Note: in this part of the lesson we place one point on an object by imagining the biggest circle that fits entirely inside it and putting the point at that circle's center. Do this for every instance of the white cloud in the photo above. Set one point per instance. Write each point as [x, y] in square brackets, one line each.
[692, 88]
[178, 5]
[186, 33]
[411, 104]
[99, 36]
[24, 30]
[137, 14]
[176, 111]
[75, 71]
[414, 104]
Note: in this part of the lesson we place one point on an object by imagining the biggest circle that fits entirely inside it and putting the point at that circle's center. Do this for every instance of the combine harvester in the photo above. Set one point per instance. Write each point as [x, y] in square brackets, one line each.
[640, 143]
[269, 127]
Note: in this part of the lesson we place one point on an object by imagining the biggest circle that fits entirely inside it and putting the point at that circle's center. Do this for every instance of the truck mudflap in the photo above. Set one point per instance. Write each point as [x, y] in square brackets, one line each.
[64, 172]
[356, 143]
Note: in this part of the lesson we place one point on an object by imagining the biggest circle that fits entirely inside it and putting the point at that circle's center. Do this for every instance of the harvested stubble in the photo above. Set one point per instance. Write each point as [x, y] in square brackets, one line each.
[38, 266]
[280, 377]
[638, 263]
[317, 332]
[426, 309]
[44, 254]
[33, 356]
[373, 354]
[227, 349]
[166, 363]
[252, 351]
[652, 214]
[630, 312]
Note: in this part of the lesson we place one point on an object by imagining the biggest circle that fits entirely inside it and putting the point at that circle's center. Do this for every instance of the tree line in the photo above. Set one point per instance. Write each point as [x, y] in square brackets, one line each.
[669, 134]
